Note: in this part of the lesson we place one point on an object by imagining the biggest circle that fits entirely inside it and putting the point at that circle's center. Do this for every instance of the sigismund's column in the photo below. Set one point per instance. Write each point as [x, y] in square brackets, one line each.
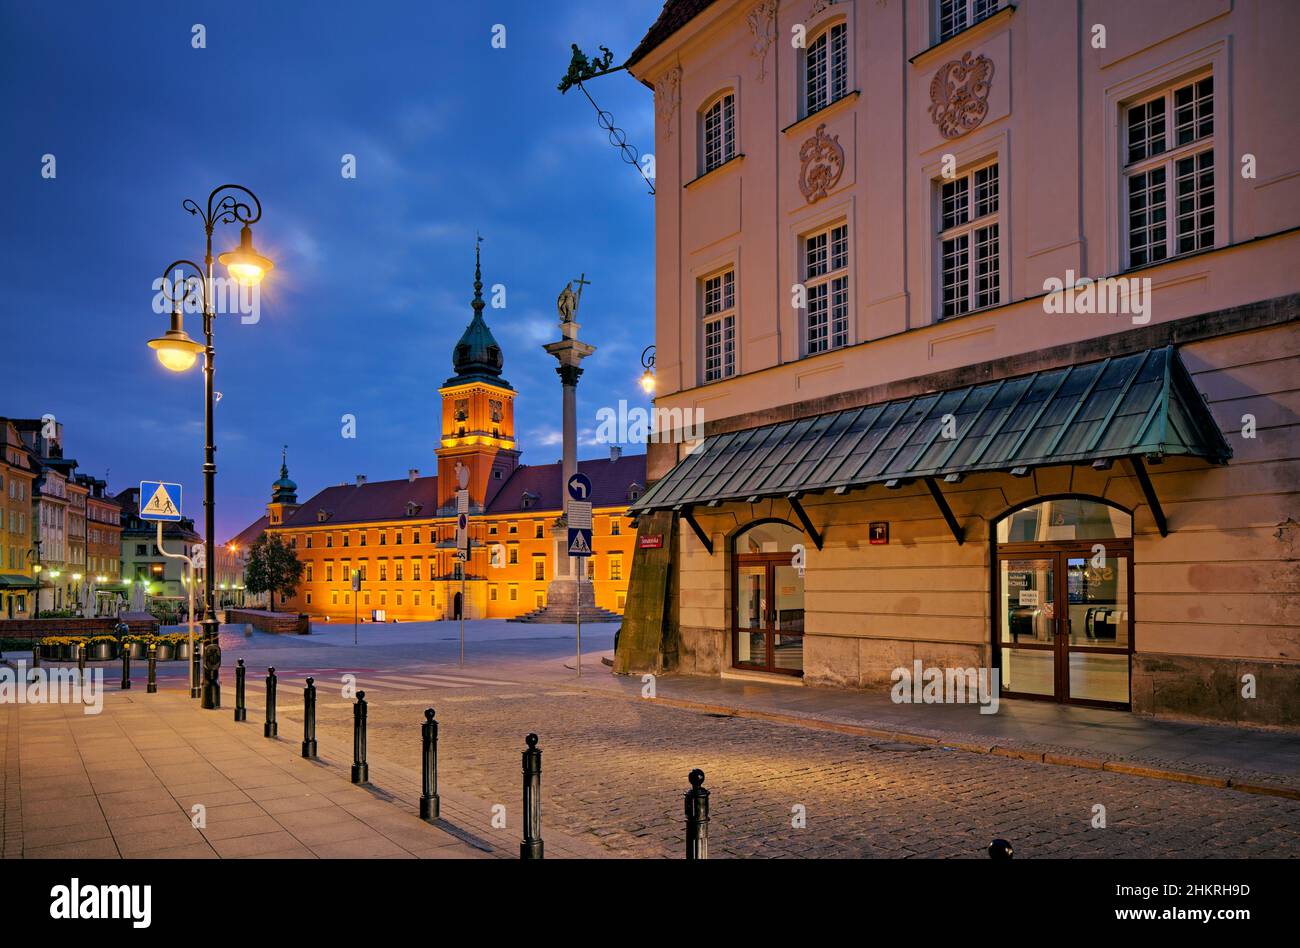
[569, 351]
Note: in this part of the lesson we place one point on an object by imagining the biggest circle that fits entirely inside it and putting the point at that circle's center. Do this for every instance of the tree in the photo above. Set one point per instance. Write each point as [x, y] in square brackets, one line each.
[272, 568]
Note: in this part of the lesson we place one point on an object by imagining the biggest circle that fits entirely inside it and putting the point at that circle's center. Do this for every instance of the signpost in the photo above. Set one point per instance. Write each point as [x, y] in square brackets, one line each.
[160, 501]
[579, 519]
[462, 544]
[356, 602]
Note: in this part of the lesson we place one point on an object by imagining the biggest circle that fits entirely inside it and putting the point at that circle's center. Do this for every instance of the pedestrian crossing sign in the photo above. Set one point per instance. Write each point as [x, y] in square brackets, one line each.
[579, 542]
[160, 501]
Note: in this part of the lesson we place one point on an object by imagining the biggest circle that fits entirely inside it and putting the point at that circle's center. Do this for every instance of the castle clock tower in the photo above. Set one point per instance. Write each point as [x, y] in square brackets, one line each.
[478, 414]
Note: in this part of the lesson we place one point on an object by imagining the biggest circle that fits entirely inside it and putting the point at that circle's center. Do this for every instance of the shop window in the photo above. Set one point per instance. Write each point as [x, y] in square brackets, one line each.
[767, 618]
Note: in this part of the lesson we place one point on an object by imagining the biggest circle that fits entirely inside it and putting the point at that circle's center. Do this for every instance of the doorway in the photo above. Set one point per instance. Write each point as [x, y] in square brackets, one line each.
[767, 613]
[1063, 591]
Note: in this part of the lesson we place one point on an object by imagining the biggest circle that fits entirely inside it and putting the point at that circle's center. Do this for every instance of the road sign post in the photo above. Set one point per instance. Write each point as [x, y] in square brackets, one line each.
[356, 602]
[578, 515]
[160, 501]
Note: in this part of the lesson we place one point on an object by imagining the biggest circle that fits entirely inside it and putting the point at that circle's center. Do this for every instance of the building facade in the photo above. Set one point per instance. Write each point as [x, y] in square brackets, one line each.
[998, 365]
[149, 579]
[399, 537]
[103, 566]
[17, 556]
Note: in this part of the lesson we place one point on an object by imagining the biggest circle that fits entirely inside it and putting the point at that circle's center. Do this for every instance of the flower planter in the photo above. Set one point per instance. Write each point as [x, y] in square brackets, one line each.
[164, 652]
[67, 653]
[181, 651]
[101, 651]
[50, 652]
[137, 650]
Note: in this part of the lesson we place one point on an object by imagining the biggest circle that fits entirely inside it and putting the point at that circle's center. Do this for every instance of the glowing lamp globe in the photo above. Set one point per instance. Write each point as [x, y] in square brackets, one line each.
[246, 265]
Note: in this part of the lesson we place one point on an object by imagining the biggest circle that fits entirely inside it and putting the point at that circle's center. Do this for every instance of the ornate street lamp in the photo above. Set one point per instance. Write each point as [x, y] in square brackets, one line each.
[648, 363]
[227, 204]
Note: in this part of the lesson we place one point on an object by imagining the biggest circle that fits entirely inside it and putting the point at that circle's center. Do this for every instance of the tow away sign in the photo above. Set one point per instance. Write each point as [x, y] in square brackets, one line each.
[160, 501]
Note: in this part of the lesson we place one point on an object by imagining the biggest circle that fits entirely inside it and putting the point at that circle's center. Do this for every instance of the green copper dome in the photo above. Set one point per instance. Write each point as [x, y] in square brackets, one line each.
[284, 491]
[477, 356]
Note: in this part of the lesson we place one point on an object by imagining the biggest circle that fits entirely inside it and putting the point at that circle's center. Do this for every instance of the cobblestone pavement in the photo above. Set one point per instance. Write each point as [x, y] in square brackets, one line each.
[615, 771]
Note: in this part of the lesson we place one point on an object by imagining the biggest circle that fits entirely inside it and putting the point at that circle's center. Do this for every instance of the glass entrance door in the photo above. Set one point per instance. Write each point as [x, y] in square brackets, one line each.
[1098, 640]
[767, 614]
[1064, 623]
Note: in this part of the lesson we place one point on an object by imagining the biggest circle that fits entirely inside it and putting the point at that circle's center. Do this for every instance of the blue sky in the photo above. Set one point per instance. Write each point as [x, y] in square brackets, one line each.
[373, 275]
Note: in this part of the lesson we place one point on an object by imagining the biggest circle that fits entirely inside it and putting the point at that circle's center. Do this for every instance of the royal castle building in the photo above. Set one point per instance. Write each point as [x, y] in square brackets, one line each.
[991, 308]
[399, 536]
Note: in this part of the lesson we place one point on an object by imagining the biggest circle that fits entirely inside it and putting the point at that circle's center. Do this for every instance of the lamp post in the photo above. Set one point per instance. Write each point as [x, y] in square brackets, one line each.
[648, 363]
[177, 352]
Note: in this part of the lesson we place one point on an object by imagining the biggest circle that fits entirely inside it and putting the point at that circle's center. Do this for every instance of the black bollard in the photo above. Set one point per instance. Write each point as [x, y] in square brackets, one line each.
[1000, 849]
[126, 666]
[152, 687]
[697, 817]
[241, 711]
[36, 661]
[309, 719]
[360, 769]
[196, 670]
[272, 726]
[429, 803]
[81, 660]
[531, 847]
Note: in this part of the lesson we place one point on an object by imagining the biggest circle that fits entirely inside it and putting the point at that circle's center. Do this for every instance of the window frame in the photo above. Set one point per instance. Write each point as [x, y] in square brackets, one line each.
[969, 18]
[826, 278]
[807, 105]
[969, 228]
[728, 143]
[1167, 161]
[727, 313]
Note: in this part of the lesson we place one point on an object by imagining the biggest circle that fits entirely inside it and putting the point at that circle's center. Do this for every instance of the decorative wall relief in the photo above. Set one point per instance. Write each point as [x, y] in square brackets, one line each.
[762, 23]
[668, 93]
[821, 164]
[959, 94]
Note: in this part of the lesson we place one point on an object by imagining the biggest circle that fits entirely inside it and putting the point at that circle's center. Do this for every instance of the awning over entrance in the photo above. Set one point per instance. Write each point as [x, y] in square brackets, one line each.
[1135, 406]
[16, 582]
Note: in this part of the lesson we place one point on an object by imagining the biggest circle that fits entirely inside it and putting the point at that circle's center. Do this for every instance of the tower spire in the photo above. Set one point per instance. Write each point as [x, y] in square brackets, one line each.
[478, 276]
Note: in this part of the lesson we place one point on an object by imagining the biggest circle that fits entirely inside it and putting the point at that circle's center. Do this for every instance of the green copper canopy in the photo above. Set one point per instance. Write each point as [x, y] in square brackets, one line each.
[1142, 405]
[477, 356]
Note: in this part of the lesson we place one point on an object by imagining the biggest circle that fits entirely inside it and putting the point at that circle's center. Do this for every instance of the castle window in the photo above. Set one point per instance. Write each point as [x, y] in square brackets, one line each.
[826, 69]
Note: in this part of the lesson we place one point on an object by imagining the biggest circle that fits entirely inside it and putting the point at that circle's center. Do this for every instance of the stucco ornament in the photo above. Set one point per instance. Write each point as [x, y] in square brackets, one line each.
[822, 163]
[668, 93]
[818, 6]
[959, 94]
[762, 23]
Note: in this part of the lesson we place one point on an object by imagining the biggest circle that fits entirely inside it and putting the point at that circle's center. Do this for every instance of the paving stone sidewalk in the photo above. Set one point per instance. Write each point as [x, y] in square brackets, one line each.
[1250, 759]
[123, 784]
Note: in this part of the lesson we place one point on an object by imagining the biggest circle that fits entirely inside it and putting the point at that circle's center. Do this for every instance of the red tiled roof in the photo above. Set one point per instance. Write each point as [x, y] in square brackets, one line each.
[609, 483]
[380, 500]
[674, 15]
[248, 536]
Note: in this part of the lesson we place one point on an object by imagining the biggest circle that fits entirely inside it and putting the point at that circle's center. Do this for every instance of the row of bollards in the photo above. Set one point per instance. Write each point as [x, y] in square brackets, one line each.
[696, 799]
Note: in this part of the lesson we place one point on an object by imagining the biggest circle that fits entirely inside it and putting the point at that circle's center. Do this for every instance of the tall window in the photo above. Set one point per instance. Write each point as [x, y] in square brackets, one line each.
[1169, 137]
[970, 257]
[615, 567]
[956, 15]
[826, 283]
[720, 326]
[539, 568]
[826, 69]
[719, 132]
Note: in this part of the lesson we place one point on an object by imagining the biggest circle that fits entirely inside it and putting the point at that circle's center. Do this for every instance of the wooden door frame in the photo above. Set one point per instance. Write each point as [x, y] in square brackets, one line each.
[1059, 551]
[770, 561]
